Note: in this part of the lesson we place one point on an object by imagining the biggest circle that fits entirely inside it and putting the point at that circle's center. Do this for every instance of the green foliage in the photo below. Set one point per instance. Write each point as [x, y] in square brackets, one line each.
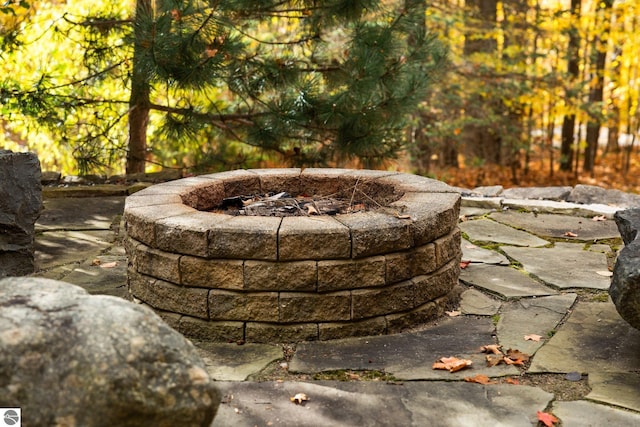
[227, 83]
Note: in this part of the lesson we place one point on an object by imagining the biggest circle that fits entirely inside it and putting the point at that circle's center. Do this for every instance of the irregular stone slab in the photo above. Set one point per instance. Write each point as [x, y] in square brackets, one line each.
[489, 190]
[408, 356]
[477, 303]
[476, 254]
[588, 414]
[57, 248]
[485, 230]
[554, 225]
[564, 266]
[233, 362]
[566, 208]
[104, 275]
[86, 213]
[593, 339]
[482, 202]
[504, 281]
[615, 388]
[69, 358]
[546, 193]
[593, 194]
[357, 404]
[537, 316]
[469, 211]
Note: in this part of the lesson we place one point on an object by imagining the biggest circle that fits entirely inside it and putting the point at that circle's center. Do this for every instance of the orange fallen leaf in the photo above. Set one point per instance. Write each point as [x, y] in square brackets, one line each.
[533, 337]
[570, 234]
[451, 364]
[515, 357]
[464, 264]
[513, 381]
[480, 379]
[491, 348]
[547, 419]
[96, 261]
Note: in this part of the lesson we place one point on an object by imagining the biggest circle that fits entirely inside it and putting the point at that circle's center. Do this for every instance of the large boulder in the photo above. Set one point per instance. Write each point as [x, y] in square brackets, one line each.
[68, 358]
[625, 285]
[20, 207]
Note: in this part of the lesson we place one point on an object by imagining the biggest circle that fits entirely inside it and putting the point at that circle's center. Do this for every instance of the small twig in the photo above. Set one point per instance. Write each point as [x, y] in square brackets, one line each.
[353, 193]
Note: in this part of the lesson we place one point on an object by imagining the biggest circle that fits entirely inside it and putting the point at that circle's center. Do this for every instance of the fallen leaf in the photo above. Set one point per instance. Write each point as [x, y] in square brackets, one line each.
[599, 218]
[451, 364]
[513, 381]
[480, 379]
[533, 337]
[515, 357]
[109, 264]
[464, 264]
[546, 419]
[453, 313]
[470, 246]
[570, 234]
[299, 398]
[312, 211]
[605, 273]
[491, 348]
[493, 360]
[95, 262]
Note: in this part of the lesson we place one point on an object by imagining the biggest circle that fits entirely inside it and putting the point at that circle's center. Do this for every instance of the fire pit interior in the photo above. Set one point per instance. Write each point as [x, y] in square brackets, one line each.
[384, 258]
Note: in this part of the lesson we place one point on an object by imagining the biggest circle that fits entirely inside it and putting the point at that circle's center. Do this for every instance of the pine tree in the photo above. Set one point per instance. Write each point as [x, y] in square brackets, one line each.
[315, 81]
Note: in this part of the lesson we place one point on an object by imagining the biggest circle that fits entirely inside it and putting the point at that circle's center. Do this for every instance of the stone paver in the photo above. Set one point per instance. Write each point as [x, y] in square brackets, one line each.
[504, 281]
[537, 316]
[485, 230]
[589, 414]
[564, 266]
[593, 339]
[549, 225]
[476, 302]
[373, 404]
[233, 362]
[583, 334]
[407, 356]
[476, 254]
[616, 388]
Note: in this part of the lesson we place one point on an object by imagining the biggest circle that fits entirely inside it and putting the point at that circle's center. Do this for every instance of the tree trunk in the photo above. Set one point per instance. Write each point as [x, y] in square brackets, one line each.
[573, 68]
[139, 97]
[597, 88]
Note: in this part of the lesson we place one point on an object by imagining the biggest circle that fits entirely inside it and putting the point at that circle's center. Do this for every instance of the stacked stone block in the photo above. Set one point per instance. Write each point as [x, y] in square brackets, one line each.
[272, 279]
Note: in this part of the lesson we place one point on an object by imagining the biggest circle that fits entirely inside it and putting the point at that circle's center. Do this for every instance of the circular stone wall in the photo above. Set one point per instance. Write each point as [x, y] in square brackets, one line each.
[286, 279]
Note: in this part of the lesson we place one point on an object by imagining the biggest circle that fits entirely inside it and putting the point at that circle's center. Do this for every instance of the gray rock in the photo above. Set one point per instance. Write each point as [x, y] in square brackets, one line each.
[68, 358]
[546, 193]
[20, 206]
[625, 285]
[628, 222]
[50, 177]
[591, 194]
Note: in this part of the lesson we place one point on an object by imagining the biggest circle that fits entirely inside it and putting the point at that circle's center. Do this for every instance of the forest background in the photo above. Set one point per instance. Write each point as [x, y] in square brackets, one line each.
[536, 92]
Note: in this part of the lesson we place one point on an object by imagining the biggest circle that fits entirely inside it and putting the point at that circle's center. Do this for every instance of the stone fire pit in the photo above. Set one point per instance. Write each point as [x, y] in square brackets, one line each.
[284, 279]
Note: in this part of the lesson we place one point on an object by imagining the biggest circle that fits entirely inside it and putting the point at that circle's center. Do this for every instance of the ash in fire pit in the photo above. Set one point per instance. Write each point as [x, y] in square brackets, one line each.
[279, 278]
[283, 204]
